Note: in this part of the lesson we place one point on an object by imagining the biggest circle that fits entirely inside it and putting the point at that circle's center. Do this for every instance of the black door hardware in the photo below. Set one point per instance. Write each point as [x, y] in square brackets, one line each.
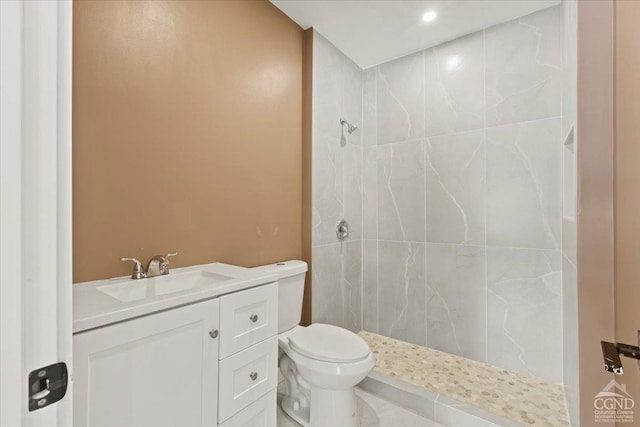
[611, 353]
[47, 385]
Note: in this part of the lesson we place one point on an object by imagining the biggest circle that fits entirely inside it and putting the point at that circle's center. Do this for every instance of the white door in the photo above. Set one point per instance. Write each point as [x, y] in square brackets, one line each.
[35, 206]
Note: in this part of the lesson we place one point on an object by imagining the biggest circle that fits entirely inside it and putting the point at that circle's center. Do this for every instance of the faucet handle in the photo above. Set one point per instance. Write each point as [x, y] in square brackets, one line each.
[165, 267]
[138, 270]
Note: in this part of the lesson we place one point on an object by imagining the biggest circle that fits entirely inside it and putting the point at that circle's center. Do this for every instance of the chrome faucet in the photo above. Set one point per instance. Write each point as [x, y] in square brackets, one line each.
[157, 266]
[138, 270]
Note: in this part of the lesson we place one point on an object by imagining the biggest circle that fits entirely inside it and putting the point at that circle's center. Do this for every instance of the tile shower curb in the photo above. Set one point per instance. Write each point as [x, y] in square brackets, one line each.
[437, 407]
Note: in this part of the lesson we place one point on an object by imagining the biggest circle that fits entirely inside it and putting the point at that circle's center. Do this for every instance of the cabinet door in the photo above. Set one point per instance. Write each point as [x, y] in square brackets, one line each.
[154, 371]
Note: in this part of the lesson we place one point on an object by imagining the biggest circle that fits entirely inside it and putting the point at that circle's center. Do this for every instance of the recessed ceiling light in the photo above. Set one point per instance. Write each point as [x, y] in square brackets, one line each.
[429, 16]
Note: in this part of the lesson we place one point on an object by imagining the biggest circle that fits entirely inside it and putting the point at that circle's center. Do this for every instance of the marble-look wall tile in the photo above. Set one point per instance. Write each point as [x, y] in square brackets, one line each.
[352, 100]
[327, 152]
[436, 160]
[454, 85]
[353, 285]
[570, 337]
[524, 191]
[328, 90]
[400, 99]
[370, 192]
[569, 175]
[336, 187]
[570, 240]
[456, 188]
[352, 187]
[569, 65]
[327, 189]
[401, 192]
[370, 285]
[328, 287]
[525, 311]
[523, 68]
[456, 300]
[337, 156]
[401, 291]
[569, 227]
[369, 106]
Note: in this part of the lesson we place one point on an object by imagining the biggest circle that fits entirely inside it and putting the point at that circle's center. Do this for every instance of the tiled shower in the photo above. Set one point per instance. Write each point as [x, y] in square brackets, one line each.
[453, 190]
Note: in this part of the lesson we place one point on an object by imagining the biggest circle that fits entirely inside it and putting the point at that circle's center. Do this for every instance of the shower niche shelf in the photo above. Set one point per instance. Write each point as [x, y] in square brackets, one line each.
[569, 176]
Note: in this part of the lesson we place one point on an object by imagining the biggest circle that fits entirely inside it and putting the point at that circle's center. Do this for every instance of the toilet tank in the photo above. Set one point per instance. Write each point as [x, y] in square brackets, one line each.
[291, 276]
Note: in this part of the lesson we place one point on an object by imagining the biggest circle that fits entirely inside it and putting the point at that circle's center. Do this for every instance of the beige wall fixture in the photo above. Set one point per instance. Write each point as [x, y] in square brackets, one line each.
[627, 187]
[187, 129]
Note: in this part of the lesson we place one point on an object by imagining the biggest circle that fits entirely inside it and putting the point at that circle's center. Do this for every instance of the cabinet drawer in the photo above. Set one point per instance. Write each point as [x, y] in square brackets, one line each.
[247, 376]
[261, 413]
[248, 317]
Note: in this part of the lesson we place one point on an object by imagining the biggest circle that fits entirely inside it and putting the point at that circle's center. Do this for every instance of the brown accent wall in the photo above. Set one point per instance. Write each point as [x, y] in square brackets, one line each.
[627, 186]
[187, 125]
[307, 104]
[595, 198]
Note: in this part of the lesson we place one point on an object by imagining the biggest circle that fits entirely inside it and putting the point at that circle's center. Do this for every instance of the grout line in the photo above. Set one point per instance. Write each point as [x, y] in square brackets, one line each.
[325, 245]
[341, 150]
[562, 206]
[520, 122]
[425, 193]
[486, 252]
[464, 245]
[377, 282]
[403, 141]
[434, 138]
[362, 135]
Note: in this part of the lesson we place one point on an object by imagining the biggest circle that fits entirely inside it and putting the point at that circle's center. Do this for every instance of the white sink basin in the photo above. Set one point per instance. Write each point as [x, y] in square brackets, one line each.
[134, 290]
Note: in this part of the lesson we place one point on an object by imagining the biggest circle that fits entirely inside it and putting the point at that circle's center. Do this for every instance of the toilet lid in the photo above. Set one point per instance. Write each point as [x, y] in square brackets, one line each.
[329, 343]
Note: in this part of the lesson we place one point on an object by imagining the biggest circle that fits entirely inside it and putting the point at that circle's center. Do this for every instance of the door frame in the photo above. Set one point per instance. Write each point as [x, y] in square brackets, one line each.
[35, 204]
[595, 232]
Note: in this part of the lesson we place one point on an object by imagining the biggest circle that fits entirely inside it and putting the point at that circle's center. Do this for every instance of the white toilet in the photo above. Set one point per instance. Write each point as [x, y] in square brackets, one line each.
[321, 363]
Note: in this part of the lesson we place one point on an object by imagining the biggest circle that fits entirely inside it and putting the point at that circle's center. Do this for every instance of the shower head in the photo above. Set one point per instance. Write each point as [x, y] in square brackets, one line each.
[350, 128]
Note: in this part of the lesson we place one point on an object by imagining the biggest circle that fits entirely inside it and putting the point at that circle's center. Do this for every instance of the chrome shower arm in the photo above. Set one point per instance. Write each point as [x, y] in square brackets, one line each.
[350, 128]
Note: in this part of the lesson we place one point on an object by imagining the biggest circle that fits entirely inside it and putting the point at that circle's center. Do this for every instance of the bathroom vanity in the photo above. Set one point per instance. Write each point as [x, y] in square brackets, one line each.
[197, 347]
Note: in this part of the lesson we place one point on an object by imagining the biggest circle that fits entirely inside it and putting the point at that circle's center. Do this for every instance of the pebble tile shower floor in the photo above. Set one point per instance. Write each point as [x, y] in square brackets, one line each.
[511, 395]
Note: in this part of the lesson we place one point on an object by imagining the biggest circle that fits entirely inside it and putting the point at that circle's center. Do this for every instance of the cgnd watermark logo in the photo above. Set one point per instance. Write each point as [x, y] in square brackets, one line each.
[613, 404]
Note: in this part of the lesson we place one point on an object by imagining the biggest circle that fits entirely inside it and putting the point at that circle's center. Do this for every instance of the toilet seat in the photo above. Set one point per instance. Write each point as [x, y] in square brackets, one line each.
[329, 343]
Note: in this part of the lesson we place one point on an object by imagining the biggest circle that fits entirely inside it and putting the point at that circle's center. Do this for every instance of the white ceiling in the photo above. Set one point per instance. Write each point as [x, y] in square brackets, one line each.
[375, 31]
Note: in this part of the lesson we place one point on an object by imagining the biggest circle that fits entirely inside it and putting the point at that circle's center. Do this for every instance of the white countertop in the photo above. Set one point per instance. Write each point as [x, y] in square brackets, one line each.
[93, 308]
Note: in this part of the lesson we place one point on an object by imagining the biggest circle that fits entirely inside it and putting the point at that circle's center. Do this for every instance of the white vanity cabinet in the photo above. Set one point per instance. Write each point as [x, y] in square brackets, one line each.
[166, 369]
[158, 370]
[248, 351]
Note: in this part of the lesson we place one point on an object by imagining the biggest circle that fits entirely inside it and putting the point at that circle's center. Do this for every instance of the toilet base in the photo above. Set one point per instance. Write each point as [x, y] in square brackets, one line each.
[293, 409]
[327, 408]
